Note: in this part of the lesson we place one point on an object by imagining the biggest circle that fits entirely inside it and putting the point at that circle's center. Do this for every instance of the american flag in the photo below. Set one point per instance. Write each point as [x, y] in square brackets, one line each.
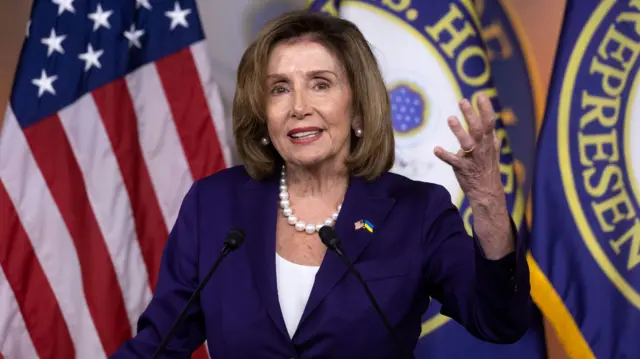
[113, 115]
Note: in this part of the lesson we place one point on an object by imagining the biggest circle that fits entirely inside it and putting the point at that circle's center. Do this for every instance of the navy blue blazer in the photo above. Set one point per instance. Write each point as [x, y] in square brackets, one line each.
[418, 249]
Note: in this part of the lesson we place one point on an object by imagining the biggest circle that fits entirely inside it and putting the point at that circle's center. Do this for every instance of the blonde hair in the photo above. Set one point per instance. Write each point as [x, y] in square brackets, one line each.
[373, 153]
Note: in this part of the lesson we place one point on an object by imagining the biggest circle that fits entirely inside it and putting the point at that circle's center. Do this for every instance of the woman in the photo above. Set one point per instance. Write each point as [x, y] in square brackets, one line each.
[312, 124]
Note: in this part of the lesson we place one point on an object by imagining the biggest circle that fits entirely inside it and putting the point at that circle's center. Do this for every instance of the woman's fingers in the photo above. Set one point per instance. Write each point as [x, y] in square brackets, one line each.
[474, 121]
[448, 157]
[487, 115]
[465, 140]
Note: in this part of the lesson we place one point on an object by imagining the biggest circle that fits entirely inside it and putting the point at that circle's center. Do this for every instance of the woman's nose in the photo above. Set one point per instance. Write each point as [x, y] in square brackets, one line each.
[301, 106]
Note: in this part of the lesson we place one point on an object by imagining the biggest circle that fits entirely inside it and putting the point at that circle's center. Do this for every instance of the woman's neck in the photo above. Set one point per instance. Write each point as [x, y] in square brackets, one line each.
[326, 181]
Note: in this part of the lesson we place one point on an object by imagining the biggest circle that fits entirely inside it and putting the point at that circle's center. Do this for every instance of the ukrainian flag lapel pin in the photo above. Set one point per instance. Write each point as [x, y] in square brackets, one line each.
[363, 223]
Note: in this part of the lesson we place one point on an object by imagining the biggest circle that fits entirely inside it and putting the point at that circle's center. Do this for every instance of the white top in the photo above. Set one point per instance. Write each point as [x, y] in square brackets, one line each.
[295, 282]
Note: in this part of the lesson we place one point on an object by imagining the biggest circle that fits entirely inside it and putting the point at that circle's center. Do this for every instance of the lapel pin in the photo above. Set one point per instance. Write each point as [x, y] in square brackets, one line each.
[363, 223]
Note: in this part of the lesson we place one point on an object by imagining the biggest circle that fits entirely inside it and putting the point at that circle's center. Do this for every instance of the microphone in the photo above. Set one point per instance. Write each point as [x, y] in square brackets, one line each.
[330, 238]
[234, 240]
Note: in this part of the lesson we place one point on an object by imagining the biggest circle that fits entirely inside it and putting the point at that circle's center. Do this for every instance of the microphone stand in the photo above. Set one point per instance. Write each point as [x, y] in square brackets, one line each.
[233, 241]
[392, 333]
[330, 238]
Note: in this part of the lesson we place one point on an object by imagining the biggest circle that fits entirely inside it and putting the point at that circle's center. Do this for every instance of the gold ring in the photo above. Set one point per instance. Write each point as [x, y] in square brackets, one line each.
[469, 150]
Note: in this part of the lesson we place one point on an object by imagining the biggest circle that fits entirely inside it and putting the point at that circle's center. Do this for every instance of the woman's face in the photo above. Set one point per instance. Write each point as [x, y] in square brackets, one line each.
[309, 104]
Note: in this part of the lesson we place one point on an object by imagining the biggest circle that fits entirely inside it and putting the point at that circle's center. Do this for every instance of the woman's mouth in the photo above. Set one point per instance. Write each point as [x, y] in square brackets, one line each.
[304, 135]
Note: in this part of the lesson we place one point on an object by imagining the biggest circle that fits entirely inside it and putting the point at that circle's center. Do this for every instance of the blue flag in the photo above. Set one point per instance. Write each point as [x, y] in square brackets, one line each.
[586, 204]
[432, 54]
[515, 76]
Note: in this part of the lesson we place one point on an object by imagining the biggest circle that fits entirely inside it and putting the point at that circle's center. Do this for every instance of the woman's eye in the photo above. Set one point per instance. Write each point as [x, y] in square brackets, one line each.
[278, 90]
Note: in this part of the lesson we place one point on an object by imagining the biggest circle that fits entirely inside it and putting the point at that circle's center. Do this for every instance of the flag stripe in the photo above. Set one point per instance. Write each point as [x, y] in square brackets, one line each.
[213, 97]
[181, 83]
[49, 237]
[201, 353]
[108, 199]
[211, 93]
[101, 287]
[116, 110]
[159, 141]
[97, 152]
[16, 342]
[38, 310]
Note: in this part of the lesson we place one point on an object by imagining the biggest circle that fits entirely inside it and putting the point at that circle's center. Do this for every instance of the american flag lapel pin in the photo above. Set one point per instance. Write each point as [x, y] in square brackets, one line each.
[363, 223]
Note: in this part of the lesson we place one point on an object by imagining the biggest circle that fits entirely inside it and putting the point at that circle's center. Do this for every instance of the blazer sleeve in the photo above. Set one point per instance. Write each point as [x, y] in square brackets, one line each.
[490, 298]
[177, 280]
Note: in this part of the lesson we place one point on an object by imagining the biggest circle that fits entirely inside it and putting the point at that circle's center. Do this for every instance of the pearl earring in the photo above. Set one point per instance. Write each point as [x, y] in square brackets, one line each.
[264, 141]
[358, 132]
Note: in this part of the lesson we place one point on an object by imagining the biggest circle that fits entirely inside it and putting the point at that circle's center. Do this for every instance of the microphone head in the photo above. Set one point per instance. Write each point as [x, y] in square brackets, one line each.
[234, 239]
[329, 237]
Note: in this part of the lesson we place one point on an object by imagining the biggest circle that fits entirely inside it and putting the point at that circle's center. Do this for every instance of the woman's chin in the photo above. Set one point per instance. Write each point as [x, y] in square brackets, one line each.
[308, 161]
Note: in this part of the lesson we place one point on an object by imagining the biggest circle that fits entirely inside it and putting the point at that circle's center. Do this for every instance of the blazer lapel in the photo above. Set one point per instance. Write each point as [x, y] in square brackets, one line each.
[258, 202]
[361, 203]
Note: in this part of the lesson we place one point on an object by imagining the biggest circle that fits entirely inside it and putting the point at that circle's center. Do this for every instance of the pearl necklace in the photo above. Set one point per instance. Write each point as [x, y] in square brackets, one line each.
[292, 219]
